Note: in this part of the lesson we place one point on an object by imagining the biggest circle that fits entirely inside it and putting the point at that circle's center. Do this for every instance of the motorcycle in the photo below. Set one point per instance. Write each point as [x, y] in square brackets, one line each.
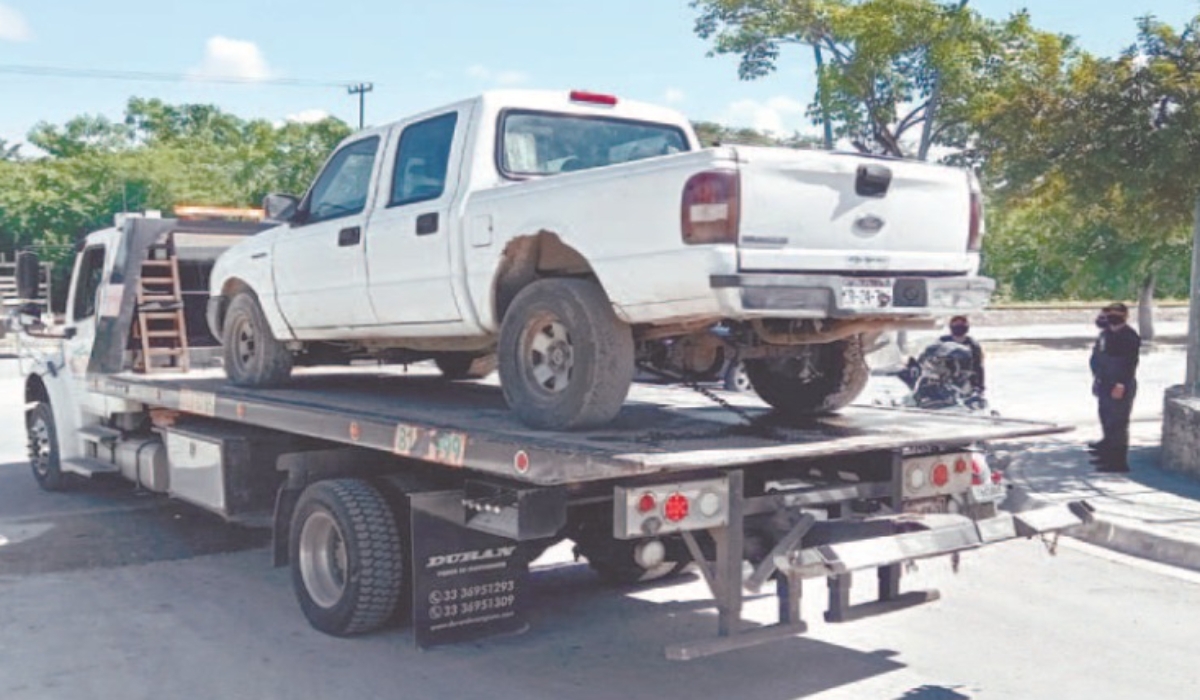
[942, 378]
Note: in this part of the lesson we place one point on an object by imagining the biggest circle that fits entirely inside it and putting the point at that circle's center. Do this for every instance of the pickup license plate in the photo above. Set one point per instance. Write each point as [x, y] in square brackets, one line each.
[866, 294]
[988, 493]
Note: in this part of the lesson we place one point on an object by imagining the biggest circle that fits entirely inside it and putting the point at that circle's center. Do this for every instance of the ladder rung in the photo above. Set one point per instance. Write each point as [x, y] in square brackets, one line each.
[163, 334]
[157, 263]
[164, 351]
[158, 315]
[159, 297]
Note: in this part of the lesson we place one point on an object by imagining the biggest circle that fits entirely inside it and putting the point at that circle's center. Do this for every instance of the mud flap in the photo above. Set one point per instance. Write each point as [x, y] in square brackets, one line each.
[466, 584]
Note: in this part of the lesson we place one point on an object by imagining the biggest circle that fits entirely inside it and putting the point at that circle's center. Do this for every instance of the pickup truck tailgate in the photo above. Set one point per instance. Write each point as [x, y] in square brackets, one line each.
[801, 212]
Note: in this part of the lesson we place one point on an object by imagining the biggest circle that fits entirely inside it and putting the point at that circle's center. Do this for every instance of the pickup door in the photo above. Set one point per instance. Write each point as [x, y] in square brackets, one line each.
[806, 211]
[319, 265]
[409, 238]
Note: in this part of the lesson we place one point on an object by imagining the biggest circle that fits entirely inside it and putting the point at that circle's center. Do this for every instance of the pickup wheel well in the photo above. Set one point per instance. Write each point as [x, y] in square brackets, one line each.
[530, 258]
[229, 290]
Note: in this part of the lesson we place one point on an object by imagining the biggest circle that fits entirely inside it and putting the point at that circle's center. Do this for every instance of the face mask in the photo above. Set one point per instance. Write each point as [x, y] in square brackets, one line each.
[1102, 322]
[959, 329]
[1115, 319]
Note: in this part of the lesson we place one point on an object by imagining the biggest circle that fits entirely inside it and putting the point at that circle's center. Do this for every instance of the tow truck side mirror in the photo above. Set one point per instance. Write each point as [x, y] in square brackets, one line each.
[280, 207]
[29, 280]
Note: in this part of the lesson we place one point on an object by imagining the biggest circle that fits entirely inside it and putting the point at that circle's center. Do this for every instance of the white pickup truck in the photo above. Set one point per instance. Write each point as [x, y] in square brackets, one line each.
[575, 236]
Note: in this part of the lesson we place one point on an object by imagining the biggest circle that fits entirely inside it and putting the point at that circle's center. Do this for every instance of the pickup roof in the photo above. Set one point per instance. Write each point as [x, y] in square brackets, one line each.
[573, 236]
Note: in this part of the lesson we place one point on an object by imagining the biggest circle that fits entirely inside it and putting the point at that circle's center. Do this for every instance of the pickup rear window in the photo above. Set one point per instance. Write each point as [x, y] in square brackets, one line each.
[542, 143]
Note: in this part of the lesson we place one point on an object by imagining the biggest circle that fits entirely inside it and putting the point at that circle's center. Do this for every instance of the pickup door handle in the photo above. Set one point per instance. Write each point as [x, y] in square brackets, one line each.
[349, 236]
[427, 224]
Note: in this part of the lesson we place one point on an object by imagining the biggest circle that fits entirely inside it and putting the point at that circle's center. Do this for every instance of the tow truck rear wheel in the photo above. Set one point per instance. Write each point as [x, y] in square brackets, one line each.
[347, 557]
[44, 457]
[822, 379]
[566, 360]
[253, 357]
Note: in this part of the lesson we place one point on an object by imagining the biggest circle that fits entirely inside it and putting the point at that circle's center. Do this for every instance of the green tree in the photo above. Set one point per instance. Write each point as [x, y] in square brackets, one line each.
[889, 66]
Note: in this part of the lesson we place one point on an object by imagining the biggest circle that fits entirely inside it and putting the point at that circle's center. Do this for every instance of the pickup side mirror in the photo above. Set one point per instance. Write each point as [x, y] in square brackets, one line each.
[280, 207]
[29, 277]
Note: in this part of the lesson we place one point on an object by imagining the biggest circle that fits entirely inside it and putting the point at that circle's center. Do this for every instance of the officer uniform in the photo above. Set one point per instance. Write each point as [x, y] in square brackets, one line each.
[1114, 364]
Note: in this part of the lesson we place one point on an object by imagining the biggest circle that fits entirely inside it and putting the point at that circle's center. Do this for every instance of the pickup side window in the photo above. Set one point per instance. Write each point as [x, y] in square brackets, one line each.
[542, 143]
[342, 188]
[422, 160]
[87, 283]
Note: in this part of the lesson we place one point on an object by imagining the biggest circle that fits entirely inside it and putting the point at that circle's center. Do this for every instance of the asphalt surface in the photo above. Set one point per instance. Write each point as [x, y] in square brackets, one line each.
[108, 593]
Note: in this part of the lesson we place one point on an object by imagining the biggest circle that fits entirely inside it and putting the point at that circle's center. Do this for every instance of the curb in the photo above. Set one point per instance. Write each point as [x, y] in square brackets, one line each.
[1119, 537]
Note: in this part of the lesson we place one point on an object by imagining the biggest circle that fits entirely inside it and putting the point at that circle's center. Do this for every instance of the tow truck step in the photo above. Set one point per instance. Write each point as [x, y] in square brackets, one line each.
[86, 466]
[99, 433]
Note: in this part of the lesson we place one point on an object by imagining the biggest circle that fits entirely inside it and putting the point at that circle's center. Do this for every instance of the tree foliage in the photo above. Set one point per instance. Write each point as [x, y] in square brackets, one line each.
[886, 62]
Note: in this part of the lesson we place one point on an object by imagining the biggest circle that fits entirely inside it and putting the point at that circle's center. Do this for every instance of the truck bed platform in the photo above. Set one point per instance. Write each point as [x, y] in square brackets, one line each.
[467, 425]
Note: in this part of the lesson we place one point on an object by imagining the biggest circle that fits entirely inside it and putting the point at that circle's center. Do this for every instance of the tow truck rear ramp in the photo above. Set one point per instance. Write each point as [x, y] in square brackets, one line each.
[468, 481]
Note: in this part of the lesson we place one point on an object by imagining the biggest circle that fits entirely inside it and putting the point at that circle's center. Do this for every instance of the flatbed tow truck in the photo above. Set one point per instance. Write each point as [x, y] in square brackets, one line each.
[398, 496]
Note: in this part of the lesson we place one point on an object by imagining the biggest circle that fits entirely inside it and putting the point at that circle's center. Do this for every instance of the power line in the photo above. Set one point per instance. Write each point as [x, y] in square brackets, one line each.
[149, 76]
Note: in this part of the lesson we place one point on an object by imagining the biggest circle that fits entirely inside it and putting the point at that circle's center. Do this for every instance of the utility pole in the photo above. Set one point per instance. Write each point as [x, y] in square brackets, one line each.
[361, 90]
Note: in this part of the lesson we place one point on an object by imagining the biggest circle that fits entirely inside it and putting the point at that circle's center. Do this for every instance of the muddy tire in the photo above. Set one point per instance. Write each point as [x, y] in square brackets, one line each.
[456, 366]
[44, 457]
[566, 360]
[253, 357]
[825, 378]
[347, 555]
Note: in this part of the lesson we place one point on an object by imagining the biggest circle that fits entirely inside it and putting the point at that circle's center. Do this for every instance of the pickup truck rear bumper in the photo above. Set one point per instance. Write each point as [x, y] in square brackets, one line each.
[765, 295]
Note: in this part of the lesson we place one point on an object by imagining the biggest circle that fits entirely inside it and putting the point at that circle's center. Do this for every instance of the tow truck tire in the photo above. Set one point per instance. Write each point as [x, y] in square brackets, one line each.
[456, 366]
[566, 360]
[253, 357]
[44, 457]
[826, 378]
[347, 557]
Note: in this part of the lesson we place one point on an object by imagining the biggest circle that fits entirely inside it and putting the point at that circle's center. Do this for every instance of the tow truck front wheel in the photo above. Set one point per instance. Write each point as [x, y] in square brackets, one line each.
[347, 557]
[44, 457]
[253, 357]
[566, 360]
[821, 379]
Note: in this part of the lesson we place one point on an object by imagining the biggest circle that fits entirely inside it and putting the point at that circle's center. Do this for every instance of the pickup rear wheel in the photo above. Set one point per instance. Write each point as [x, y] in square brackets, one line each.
[347, 555]
[566, 360]
[253, 357]
[823, 378]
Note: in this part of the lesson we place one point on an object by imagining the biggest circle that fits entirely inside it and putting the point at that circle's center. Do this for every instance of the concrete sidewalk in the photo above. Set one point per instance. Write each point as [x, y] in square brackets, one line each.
[1149, 512]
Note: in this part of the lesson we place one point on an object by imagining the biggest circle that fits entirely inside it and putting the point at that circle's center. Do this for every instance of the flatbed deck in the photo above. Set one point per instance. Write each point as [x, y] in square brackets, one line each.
[467, 425]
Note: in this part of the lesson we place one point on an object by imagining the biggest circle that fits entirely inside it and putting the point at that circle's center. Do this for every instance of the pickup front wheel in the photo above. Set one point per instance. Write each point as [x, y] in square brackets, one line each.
[566, 360]
[823, 378]
[253, 357]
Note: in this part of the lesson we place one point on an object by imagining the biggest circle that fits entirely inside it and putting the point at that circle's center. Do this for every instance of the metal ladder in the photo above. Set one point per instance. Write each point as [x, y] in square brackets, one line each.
[161, 327]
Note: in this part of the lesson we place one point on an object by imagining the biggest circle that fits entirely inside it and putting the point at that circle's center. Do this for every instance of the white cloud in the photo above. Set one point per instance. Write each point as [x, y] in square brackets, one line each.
[504, 78]
[13, 26]
[779, 115]
[674, 96]
[307, 116]
[232, 58]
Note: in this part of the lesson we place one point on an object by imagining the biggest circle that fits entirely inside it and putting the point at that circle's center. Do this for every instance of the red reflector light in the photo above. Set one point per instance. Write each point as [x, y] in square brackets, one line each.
[997, 477]
[941, 475]
[711, 207]
[960, 467]
[976, 473]
[676, 507]
[646, 503]
[593, 98]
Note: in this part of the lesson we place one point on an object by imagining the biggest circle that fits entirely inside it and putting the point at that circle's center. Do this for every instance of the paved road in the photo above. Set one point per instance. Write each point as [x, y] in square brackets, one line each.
[105, 593]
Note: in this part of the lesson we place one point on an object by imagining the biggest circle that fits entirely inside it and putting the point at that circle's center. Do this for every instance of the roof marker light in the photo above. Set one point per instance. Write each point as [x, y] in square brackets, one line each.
[593, 98]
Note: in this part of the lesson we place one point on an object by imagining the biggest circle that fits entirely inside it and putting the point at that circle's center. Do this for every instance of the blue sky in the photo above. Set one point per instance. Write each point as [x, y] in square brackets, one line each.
[420, 54]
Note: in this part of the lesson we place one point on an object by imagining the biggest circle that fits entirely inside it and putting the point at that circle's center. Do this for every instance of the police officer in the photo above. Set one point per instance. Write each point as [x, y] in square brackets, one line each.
[1114, 367]
[959, 329]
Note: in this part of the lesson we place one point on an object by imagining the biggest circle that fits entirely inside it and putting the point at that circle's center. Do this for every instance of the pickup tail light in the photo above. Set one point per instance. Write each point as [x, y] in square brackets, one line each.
[665, 509]
[711, 207]
[977, 228]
